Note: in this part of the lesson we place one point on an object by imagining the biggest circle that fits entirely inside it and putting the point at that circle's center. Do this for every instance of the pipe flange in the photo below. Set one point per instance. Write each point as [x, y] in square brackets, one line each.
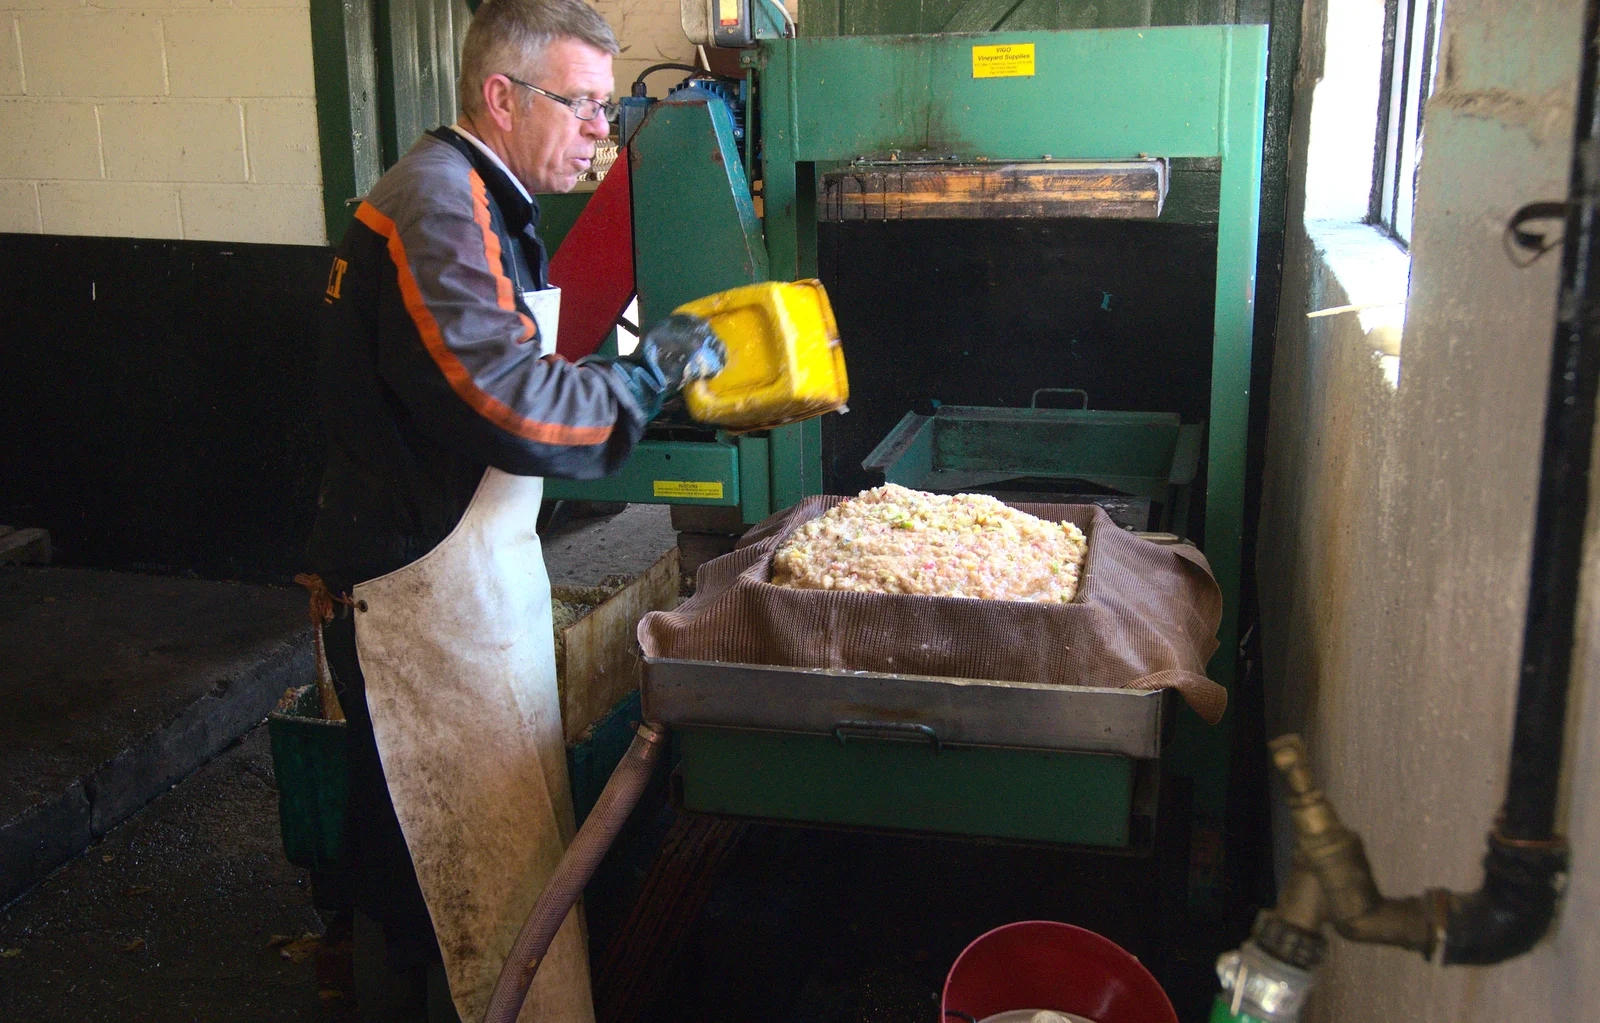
[1556, 844]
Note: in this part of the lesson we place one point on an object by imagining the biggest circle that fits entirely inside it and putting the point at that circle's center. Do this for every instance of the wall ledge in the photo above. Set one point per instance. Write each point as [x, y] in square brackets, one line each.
[1374, 274]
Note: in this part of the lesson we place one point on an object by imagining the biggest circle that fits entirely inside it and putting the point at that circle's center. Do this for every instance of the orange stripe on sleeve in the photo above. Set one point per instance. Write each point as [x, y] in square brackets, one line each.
[486, 405]
[491, 253]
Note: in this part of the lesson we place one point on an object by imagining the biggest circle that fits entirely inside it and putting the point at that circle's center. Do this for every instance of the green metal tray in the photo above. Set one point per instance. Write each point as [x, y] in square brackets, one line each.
[963, 447]
[1017, 794]
[1010, 760]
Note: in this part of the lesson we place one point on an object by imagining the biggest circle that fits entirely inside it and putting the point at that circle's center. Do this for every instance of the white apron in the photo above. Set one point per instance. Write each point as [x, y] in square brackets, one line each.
[460, 674]
[546, 308]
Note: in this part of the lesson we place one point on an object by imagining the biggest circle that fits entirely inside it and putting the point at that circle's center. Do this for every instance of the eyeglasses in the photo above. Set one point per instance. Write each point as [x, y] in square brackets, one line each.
[583, 109]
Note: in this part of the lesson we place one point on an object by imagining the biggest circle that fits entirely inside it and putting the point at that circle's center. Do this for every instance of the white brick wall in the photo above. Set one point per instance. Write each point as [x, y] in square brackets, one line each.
[159, 119]
[191, 118]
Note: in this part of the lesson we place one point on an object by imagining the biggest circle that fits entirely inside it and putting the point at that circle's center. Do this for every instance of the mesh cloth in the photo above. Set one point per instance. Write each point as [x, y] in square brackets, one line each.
[1145, 617]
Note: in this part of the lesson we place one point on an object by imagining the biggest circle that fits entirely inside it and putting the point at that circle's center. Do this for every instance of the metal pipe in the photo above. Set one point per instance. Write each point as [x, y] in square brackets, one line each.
[1332, 883]
[1563, 503]
[1510, 911]
[577, 865]
[1513, 907]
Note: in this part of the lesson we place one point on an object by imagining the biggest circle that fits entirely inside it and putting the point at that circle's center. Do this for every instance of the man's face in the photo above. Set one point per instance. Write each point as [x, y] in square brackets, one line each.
[548, 146]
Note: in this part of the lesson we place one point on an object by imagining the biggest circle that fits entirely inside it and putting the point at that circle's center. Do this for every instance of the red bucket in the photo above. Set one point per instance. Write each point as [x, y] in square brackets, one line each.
[1041, 964]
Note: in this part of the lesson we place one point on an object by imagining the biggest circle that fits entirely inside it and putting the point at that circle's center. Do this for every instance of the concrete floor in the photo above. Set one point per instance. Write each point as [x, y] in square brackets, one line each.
[171, 917]
[581, 552]
[93, 656]
[115, 685]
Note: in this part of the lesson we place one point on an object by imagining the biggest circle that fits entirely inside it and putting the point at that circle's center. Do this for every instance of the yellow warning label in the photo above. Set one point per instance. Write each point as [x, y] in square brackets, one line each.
[687, 488]
[1010, 60]
[727, 14]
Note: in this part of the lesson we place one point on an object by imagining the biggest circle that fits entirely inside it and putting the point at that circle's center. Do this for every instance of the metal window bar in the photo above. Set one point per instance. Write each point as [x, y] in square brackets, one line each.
[1394, 147]
[1380, 143]
[1410, 58]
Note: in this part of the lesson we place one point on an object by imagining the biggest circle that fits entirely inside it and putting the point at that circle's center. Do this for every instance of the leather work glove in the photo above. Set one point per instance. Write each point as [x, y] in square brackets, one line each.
[674, 353]
[684, 348]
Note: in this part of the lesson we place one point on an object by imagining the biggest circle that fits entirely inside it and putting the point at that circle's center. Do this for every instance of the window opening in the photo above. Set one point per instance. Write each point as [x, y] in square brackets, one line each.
[1410, 58]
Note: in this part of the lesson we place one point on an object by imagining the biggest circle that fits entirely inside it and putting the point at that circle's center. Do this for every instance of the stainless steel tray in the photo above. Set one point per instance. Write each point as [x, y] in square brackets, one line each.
[957, 711]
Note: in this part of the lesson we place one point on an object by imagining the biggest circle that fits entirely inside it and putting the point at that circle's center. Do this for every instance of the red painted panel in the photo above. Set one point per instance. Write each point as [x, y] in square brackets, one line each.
[594, 266]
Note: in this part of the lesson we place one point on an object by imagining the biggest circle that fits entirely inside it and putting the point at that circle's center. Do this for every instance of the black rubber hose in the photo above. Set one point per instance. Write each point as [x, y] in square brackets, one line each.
[577, 865]
[1513, 908]
[698, 72]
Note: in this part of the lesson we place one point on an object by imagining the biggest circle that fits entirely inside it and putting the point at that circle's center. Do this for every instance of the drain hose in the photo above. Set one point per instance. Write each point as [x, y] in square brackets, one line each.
[573, 872]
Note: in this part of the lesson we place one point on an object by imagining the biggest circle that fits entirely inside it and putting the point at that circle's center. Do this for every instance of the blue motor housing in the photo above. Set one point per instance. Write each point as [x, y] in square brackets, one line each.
[733, 94]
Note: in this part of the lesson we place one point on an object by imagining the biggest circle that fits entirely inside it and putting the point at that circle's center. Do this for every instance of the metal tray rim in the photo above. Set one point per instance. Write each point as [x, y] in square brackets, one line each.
[945, 679]
[909, 740]
[946, 710]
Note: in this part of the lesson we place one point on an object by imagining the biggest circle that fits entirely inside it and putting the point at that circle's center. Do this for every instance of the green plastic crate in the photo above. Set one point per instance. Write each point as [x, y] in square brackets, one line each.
[590, 762]
[308, 759]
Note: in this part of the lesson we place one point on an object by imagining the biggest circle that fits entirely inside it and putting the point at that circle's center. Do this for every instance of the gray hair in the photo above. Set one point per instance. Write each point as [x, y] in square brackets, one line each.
[510, 37]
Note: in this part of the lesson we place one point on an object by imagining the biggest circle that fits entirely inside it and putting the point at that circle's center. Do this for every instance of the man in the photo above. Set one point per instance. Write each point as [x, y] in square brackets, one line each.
[444, 408]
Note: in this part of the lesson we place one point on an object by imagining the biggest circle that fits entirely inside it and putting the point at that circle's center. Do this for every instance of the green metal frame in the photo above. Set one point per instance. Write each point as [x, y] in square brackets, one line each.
[695, 230]
[1196, 93]
[742, 466]
[660, 472]
[418, 41]
[558, 211]
[345, 71]
[385, 72]
[1188, 93]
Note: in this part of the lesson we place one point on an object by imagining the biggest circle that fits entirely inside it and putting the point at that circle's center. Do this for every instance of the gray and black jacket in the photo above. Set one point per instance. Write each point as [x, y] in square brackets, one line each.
[430, 367]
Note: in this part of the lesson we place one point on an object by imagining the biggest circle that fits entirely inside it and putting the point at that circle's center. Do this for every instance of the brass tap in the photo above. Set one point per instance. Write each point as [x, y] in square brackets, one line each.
[1331, 881]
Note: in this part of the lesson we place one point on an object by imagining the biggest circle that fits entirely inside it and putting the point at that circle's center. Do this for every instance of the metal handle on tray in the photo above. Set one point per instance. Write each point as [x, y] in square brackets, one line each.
[890, 728]
[1033, 402]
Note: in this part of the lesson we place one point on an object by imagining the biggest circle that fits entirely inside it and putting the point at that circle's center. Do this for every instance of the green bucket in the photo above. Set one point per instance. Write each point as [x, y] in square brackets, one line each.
[308, 758]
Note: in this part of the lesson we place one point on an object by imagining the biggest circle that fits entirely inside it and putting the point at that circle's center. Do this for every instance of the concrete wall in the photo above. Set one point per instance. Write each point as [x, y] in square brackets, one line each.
[650, 32]
[1397, 520]
[187, 119]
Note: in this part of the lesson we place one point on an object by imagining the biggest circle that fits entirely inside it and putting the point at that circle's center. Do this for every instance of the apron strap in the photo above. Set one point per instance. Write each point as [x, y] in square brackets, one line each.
[322, 601]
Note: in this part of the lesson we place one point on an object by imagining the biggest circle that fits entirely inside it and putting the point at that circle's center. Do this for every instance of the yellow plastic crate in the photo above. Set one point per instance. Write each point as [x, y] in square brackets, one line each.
[785, 362]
